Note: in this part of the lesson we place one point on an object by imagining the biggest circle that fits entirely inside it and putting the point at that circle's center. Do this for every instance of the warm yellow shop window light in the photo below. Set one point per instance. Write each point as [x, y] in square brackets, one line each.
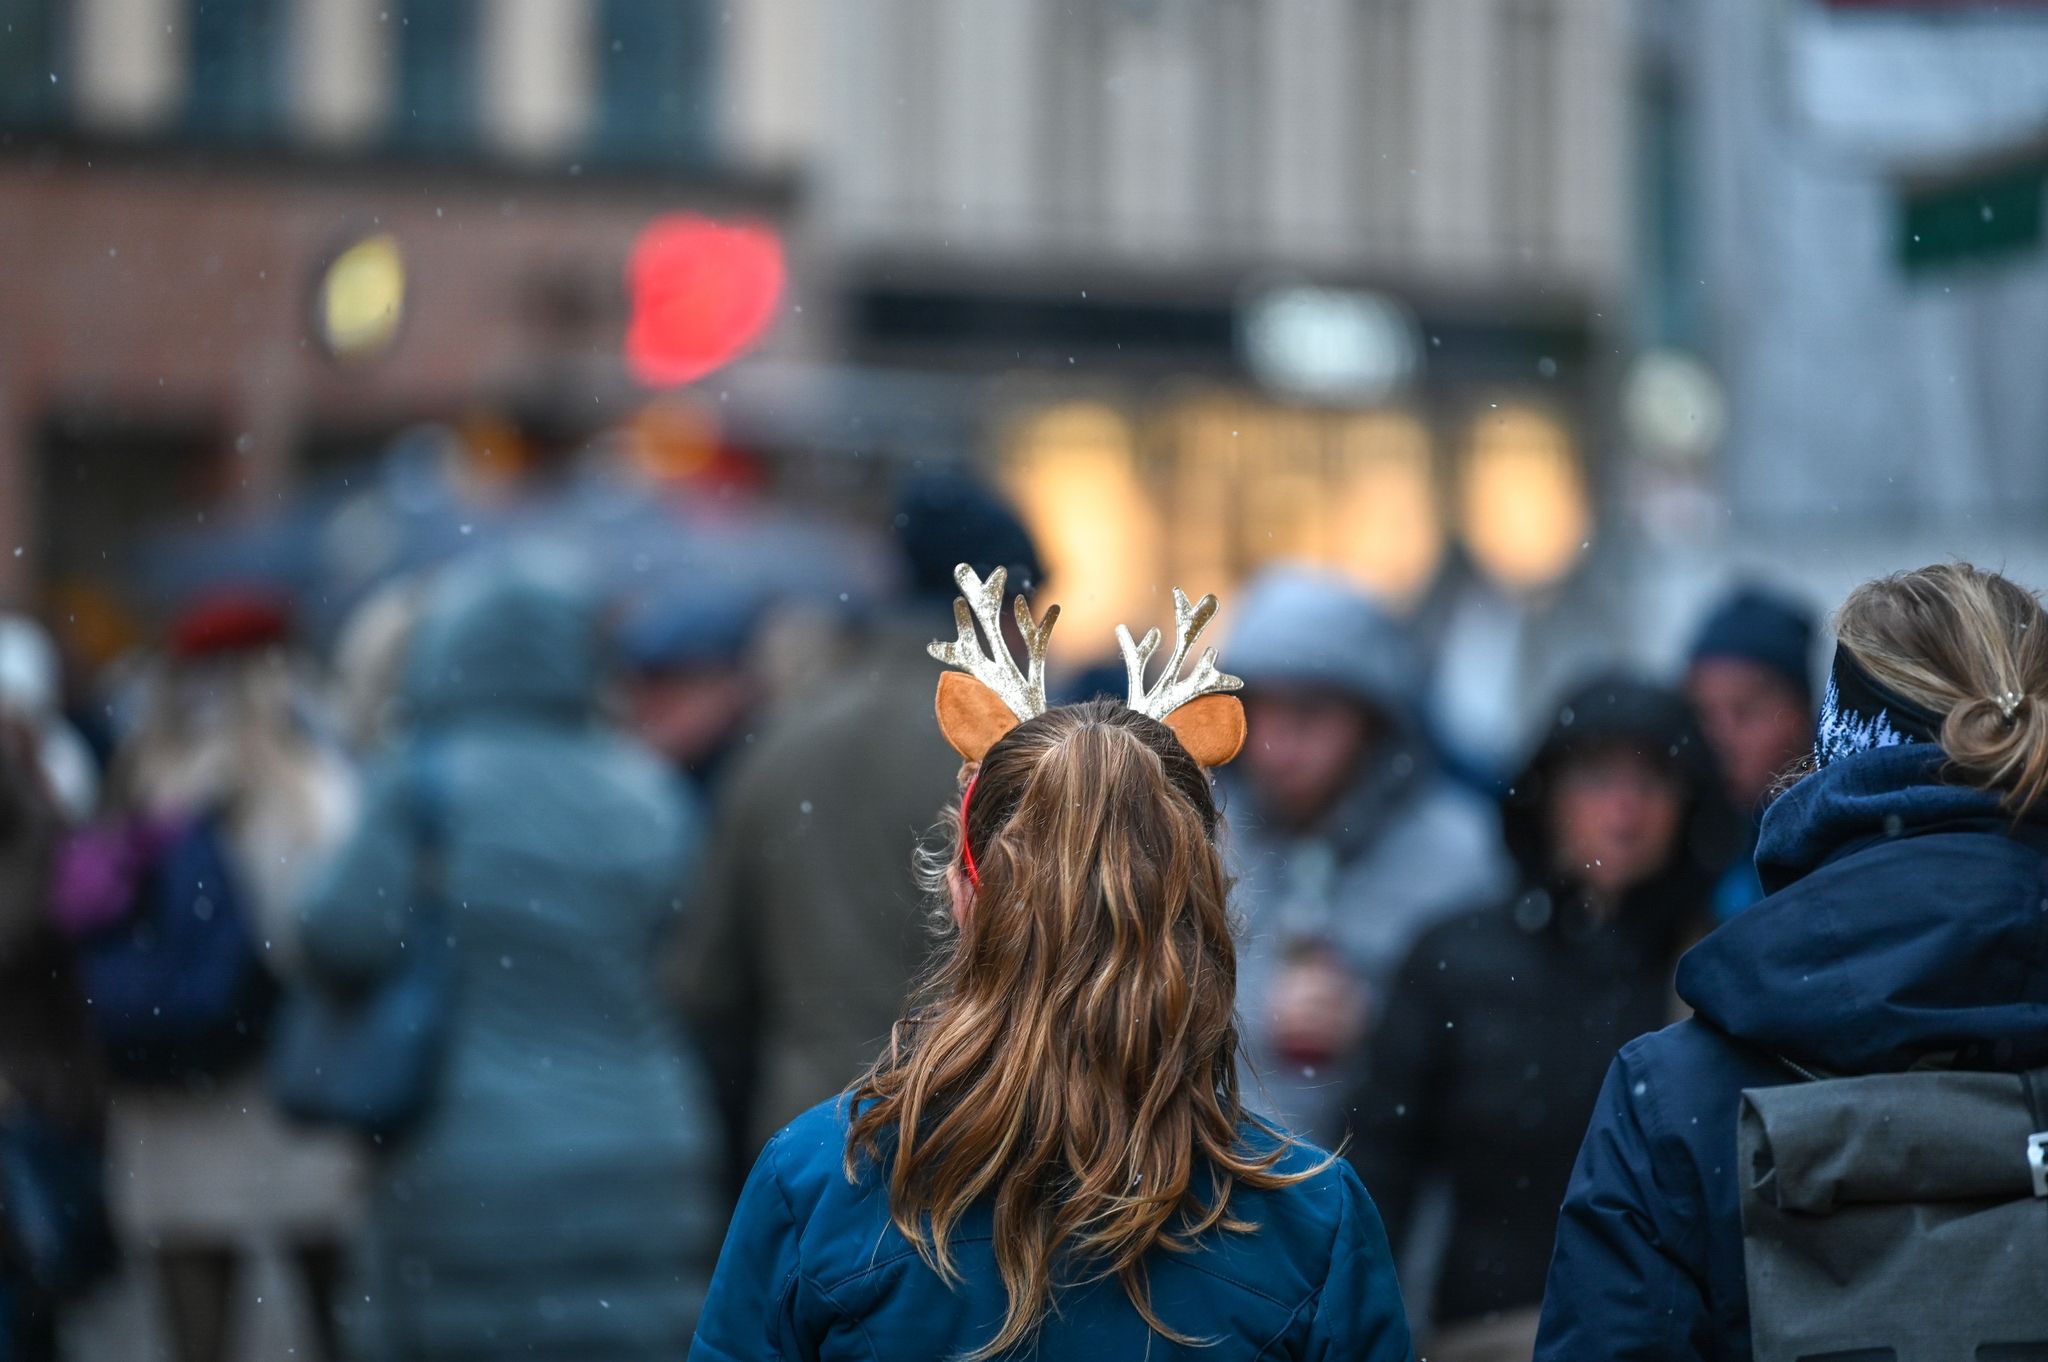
[1072, 470]
[1522, 504]
[1388, 526]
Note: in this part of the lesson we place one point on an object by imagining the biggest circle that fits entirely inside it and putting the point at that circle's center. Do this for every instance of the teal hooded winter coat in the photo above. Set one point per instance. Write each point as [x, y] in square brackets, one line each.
[815, 1271]
[559, 1200]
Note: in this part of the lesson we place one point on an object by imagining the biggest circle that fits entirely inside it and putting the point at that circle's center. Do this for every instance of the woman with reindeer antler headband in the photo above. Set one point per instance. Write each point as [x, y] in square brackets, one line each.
[1052, 1154]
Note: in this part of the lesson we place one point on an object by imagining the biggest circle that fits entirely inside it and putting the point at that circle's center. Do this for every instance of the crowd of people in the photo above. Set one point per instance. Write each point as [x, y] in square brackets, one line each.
[636, 913]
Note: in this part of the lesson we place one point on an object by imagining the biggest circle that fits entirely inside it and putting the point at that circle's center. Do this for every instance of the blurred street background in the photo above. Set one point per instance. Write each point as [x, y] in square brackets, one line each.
[1540, 317]
[1542, 323]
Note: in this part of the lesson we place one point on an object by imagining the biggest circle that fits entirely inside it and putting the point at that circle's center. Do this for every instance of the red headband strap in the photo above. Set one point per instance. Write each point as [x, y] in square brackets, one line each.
[966, 851]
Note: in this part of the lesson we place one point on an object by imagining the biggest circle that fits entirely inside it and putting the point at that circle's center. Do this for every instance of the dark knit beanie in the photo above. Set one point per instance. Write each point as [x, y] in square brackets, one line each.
[944, 519]
[1760, 626]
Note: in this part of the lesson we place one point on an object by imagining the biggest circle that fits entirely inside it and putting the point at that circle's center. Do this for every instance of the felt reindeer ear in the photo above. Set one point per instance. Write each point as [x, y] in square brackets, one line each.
[972, 717]
[991, 694]
[1212, 728]
[1198, 708]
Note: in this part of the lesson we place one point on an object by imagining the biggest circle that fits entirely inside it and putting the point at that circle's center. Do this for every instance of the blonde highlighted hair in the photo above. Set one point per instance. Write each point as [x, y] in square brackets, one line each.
[1971, 646]
[1073, 1057]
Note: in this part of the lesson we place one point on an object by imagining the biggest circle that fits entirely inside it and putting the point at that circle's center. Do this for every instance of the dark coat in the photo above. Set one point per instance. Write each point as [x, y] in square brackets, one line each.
[1504, 1019]
[1905, 922]
[810, 926]
[49, 1058]
[1402, 848]
[814, 1269]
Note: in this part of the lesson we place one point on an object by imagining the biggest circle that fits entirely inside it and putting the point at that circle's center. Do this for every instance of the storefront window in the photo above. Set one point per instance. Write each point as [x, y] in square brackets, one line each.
[437, 74]
[655, 101]
[1522, 505]
[29, 81]
[1251, 483]
[1387, 524]
[1225, 485]
[236, 50]
[1073, 471]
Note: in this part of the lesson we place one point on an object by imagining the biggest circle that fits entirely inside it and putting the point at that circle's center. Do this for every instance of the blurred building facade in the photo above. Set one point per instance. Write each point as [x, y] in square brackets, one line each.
[189, 186]
[1208, 283]
[1842, 217]
[1470, 147]
[1229, 282]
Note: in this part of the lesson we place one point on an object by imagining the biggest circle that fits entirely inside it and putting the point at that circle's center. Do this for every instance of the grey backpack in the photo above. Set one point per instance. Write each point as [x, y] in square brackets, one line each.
[1897, 1218]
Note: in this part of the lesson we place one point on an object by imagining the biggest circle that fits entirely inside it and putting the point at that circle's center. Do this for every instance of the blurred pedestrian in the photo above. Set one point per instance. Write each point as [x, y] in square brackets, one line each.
[1902, 935]
[1349, 841]
[811, 928]
[32, 691]
[369, 661]
[1751, 682]
[205, 1172]
[1052, 1158]
[54, 1237]
[689, 684]
[1501, 1023]
[558, 1199]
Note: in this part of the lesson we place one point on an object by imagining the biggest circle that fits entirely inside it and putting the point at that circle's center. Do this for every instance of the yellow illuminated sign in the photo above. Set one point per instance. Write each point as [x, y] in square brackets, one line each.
[362, 298]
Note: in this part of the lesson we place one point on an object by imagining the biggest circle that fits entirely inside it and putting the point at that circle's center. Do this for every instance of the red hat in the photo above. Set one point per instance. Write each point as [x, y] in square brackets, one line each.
[230, 621]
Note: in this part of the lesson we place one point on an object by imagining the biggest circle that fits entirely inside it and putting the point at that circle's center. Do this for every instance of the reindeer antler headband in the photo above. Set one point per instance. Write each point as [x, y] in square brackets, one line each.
[991, 694]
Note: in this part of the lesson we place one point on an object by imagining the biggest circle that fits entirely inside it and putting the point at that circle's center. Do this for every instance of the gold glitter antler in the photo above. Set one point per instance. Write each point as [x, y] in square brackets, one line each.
[1174, 690]
[1023, 691]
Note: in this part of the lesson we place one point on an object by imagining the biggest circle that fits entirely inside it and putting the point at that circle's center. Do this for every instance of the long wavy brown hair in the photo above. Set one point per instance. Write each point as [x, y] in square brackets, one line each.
[1073, 1056]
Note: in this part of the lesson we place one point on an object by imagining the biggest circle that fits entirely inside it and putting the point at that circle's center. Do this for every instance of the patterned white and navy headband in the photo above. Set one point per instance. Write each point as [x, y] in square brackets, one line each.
[1858, 714]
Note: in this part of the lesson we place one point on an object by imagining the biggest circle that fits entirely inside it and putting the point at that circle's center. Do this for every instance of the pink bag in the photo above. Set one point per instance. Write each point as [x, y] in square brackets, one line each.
[100, 868]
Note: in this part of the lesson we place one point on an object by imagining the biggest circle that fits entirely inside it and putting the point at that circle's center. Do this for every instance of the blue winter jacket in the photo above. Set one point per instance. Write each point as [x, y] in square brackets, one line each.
[1906, 919]
[813, 1268]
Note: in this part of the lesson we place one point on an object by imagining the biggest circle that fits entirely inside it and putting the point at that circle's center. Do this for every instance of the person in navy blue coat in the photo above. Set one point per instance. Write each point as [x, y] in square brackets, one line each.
[1051, 1157]
[1904, 923]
